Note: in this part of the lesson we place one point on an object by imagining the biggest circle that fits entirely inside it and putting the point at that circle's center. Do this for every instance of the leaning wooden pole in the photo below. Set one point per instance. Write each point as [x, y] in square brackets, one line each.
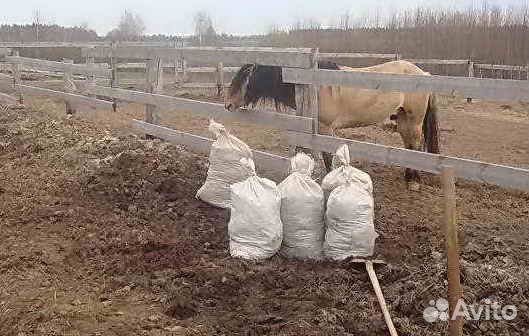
[380, 297]
[455, 292]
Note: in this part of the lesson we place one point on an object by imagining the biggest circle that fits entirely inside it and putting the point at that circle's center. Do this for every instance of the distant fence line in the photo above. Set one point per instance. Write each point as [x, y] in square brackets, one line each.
[176, 60]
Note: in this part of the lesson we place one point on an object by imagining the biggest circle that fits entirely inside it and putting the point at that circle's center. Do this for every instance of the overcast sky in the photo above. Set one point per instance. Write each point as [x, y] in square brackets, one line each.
[234, 16]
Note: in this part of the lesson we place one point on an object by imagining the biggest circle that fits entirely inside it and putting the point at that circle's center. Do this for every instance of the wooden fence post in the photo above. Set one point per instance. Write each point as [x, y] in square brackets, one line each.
[176, 70]
[90, 78]
[220, 79]
[307, 101]
[69, 86]
[154, 85]
[175, 63]
[455, 292]
[470, 75]
[17, 77]
[114, 81]
[183, 76]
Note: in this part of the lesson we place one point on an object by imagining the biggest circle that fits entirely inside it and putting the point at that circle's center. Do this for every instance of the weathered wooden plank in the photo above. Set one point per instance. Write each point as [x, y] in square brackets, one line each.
[59, 66]
[79, 83]
[299, 58]
[73, 98]
[79, 44]
[202, 145]
[357, 55]
[438, 61]
[207, 109]
[515, 178]
[493, 89]
[50, 44]
[201, 85]
[171, 66]
[501, 67]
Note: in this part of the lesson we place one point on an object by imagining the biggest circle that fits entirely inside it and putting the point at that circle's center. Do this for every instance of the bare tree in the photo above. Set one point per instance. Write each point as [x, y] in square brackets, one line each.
[131, 27]
[37, 20]
[204, 30]
[345, 21]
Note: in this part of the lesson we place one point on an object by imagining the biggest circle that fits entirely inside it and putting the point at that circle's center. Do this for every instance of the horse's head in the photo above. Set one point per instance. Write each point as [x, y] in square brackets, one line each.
[256, 82]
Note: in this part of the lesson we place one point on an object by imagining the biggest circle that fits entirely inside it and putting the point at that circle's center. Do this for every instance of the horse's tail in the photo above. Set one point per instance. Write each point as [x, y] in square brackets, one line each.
[430, 127]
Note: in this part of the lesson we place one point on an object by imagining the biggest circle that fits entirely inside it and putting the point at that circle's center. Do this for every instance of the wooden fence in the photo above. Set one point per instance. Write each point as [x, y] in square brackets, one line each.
[301, 130]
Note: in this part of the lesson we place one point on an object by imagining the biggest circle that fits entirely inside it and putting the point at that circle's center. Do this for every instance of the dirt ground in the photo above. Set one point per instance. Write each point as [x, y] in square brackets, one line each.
[100, 234]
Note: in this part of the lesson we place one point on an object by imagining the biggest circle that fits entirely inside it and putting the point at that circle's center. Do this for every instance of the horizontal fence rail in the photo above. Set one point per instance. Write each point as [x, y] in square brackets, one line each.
[70, 97]
[502, 67]
[202, 145]
[142, 66]
[79, 44]
[296, 58]
[439, 61]
[357, 55]
[467, 169]
[206, 109]
[493, 89]
[59, 66]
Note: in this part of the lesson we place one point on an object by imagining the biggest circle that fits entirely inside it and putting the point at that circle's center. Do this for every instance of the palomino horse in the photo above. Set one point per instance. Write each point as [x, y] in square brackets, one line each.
[344, 107]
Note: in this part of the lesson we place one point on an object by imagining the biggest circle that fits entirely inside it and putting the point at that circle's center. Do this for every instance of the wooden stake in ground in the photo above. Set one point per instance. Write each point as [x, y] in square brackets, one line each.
[455, 293]
[69, 86]
[17, 78]
[220, 80]
[470, 75]
[380, 297]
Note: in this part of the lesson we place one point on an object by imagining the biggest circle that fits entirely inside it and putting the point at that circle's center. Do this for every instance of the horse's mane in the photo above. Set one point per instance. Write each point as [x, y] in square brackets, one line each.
[265, 82]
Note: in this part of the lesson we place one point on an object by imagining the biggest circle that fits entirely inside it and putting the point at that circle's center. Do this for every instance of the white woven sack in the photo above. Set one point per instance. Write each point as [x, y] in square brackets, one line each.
[349, 217]
[255, 227]
[350, 222]
[302, 211]
[343, 171]
[225, 167]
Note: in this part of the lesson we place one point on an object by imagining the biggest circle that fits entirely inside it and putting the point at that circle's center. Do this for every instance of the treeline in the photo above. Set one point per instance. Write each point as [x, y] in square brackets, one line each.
[45, 33]
[491, 35]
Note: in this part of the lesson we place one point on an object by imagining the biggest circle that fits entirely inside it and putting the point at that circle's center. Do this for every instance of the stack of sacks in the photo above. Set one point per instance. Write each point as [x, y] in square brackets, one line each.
[302, 210]
[350, 211]
[225, 167]
[255, 227]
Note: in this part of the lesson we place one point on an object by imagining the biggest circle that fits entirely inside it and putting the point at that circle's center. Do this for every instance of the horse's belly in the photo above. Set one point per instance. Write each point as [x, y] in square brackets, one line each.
[351, 107]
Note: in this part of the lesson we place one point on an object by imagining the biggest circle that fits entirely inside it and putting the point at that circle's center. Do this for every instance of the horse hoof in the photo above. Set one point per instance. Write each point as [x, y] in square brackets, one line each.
[414, 186]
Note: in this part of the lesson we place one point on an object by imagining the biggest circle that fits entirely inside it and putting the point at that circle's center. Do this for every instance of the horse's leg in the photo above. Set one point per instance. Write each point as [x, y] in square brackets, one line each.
[410, 128]
[327, 157]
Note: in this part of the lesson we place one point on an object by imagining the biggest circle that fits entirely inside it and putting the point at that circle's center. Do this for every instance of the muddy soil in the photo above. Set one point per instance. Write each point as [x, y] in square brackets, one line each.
[100, 234]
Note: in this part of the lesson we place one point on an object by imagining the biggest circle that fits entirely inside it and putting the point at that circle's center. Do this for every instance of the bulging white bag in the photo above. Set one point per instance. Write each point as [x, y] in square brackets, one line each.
[302, 211]
[343, 171]
[255, 227]
[350, 212]
[225, 167]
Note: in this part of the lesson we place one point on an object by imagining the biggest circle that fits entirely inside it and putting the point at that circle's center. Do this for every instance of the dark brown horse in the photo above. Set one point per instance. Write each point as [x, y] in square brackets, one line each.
[344, 107]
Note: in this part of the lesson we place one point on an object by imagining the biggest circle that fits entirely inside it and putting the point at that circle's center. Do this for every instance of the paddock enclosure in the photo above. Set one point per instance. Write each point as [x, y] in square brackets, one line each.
[133, 199]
